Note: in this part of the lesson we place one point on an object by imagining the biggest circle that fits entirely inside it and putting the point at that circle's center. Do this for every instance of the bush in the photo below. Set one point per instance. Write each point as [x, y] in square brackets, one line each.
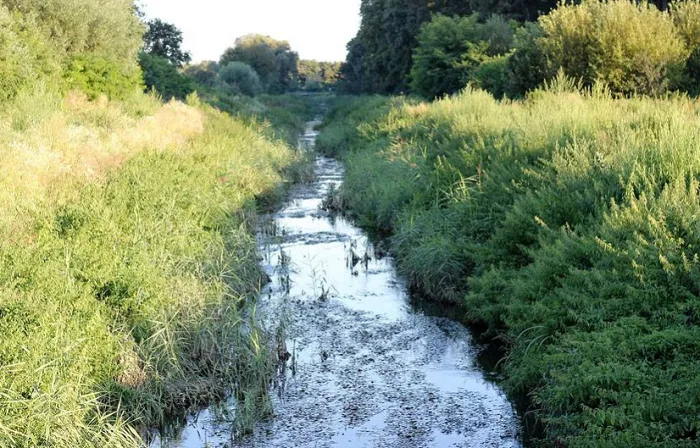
[160, 75]
[528, 66]
[240, 78]
[493, 75]
[97, 76]
[686, 17]
[632, 48]
[449, 50]
[24, 55]
[204, 73]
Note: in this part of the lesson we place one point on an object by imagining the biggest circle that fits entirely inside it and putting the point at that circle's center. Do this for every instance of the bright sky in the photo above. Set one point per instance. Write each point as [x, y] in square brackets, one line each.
[316, 29]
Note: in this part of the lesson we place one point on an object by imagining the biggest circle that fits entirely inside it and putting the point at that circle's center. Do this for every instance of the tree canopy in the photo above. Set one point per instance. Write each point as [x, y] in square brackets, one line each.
[273, 60]
[165, 40]
[315, 75]
[380, 56]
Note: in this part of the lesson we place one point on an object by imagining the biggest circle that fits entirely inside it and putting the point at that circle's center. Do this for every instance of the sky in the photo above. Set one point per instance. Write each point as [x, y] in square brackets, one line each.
[316, 29]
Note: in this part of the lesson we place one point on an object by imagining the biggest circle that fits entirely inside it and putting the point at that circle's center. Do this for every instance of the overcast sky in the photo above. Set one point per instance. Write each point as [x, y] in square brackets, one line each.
[316, 29]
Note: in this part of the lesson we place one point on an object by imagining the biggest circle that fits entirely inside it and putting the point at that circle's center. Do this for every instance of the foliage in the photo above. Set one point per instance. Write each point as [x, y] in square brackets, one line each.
[523, 10]
[165, 40]
[40, 40]
[25, 57]
[273, 60]
[493, 75]
[631, 48]
[160, 75]
[566, 225]
[240, 78]
[203, 73]
[528, 65]
[380, 56]
[686, 17]
[108, 28]
[315, 75]
[95, 76]
[450, 49]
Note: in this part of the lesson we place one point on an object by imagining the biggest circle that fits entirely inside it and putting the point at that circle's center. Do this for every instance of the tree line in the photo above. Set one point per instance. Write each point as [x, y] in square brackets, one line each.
[512, 47]
[109, 48]
[254, 64]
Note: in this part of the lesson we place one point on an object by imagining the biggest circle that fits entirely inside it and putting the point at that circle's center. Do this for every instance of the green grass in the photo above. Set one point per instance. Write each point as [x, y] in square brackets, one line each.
[567, 224]
[125, 294]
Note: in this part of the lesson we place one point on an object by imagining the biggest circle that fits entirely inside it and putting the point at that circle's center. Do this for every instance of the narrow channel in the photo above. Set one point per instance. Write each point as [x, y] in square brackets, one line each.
[366, 369]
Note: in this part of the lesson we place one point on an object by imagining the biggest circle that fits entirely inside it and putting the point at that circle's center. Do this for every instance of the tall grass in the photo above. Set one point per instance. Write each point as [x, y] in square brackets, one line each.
[126, 265]
[567, 225]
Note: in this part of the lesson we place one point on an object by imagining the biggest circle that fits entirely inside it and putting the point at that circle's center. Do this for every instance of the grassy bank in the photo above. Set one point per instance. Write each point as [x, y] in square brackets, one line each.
[126, 262]
[567, 224]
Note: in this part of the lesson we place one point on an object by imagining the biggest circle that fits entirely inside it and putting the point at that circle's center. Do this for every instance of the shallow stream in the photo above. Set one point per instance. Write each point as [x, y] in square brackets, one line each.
[366, 369]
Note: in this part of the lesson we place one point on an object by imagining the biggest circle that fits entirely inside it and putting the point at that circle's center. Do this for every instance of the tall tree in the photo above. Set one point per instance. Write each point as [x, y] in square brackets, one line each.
[380, 56]
[272, 59]
[165, 40]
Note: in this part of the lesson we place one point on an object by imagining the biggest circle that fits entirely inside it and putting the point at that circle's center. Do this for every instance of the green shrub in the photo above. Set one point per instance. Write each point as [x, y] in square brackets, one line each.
[160, 75]
[686, 17]
[204, 73]
[25, 58]
[451, 48]
[97, 76]
[240, 78]
[630, 47]
[493, 75]
[528, 65]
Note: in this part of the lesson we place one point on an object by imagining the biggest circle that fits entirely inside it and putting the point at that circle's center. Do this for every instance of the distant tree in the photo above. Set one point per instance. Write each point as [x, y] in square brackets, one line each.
[203, 73]
[315, 75]
[160, 75]
[240, 78]
[306, 69]
[273, 60]
[330, 72]
[165, 40]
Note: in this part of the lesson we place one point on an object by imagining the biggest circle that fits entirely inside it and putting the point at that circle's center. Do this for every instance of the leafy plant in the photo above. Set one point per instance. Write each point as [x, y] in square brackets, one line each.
[240, 78]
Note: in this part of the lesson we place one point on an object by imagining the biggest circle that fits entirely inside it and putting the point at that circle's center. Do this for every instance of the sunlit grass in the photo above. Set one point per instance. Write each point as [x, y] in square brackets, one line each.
[567, 225]
[126, 265]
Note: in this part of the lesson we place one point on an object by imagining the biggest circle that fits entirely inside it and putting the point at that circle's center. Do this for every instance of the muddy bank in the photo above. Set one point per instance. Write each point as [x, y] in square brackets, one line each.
[363, 367]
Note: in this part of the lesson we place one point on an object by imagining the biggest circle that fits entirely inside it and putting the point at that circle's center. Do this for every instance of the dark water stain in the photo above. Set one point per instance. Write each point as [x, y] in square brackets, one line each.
[364, 367]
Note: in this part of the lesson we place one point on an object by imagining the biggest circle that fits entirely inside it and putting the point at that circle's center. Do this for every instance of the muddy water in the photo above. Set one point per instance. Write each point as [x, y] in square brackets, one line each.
[366, 370]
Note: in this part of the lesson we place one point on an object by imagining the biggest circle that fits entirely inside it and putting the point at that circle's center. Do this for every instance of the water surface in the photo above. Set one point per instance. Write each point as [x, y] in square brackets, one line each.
[365, 369]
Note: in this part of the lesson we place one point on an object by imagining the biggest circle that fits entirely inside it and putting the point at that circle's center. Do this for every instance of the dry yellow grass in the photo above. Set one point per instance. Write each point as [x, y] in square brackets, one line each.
[78, 140]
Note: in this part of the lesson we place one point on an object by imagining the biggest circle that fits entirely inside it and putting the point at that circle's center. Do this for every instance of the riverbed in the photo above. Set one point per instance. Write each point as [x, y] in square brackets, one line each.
[363, 367]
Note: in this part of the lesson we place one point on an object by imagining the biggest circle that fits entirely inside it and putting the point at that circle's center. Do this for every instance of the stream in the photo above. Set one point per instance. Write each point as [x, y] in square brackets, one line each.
[366, 369]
